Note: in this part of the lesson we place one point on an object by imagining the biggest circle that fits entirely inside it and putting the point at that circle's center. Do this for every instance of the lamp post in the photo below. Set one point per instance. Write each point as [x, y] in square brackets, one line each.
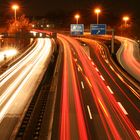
[125, 19]
[15, 8]
[97, 11]
[77, 16]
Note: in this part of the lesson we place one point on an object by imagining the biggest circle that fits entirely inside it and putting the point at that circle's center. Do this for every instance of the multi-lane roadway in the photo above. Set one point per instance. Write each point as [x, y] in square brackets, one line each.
[19, 83]
[129, 56]
[94, 99]
[96, 102]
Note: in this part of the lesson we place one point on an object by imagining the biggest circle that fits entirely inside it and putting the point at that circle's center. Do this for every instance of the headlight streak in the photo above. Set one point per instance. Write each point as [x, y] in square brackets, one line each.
[28, 71]
[6, 73]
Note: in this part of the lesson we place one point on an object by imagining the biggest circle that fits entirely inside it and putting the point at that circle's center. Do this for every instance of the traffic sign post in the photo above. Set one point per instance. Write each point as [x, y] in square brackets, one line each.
[98, 29]
[77, 29]
[112, 39]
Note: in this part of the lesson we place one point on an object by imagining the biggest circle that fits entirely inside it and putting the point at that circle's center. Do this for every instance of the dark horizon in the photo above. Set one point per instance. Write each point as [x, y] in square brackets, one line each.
[62, 12]
[42, 7]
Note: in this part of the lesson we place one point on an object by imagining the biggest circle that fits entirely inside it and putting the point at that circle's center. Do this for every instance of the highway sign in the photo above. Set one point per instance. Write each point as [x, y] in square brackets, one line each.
[98, 29]
[77, 29]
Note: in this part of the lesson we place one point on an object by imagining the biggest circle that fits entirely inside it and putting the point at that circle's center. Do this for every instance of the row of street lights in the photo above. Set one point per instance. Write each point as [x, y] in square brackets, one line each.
[97, 11]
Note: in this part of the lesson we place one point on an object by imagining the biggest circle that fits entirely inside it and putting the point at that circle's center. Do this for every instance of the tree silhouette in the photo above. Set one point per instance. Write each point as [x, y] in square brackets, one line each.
[22, 25]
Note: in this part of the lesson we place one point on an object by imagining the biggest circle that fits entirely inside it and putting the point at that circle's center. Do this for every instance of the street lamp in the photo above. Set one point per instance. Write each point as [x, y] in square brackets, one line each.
[97, 11]
[15, 8]
[77, 16]
[125, 19]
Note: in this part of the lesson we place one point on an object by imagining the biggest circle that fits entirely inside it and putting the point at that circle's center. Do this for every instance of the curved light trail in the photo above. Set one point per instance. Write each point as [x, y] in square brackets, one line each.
[129, 56]
[19, 83]
[113, 118]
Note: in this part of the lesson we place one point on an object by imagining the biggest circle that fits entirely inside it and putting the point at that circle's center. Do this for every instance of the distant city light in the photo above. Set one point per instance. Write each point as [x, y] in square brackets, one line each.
[47, 25]
[33, 32]
[40, 34]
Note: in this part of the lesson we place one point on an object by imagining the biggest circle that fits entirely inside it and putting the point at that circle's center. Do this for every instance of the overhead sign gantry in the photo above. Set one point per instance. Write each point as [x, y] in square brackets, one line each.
[98, 29]
[77, 29]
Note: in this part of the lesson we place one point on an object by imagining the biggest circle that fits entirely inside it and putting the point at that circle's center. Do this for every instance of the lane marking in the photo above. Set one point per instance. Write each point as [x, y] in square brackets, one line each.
[123, 109]
[89, 58]
[102, 77]
[138, 132]
[110, 89]
[82, 84]
[97, 69]
[106, 61]
[92, 63]
[89, 112]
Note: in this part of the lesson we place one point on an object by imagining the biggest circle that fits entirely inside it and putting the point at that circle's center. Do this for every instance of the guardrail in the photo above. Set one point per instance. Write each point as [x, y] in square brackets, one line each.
[48, 33]
[33, 34]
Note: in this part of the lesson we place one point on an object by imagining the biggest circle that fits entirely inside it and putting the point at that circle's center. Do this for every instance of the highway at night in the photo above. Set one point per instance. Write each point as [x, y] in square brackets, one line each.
[69, 70]
[94, 100]
[19, 82]
[93, 103]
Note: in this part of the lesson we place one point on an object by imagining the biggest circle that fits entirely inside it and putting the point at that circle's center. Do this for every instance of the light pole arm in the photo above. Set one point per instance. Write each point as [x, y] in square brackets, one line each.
[97, 18]
[76, 20]
[15, 14]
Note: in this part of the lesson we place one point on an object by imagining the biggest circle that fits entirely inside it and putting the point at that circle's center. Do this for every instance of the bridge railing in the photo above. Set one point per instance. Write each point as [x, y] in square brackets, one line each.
[32, 34]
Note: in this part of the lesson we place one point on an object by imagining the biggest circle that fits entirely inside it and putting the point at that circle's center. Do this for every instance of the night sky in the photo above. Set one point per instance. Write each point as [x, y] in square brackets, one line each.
[41, 7]
[62, 11]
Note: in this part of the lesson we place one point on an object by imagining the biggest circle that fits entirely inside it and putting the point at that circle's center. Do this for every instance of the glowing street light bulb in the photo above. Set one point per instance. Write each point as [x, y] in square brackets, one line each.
[77, 16]
[97, 11]
[125, 19]
[15, 7]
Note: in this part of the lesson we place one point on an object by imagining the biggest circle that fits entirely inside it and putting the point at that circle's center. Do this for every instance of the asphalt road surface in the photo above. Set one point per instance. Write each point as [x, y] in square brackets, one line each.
[92, 104]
